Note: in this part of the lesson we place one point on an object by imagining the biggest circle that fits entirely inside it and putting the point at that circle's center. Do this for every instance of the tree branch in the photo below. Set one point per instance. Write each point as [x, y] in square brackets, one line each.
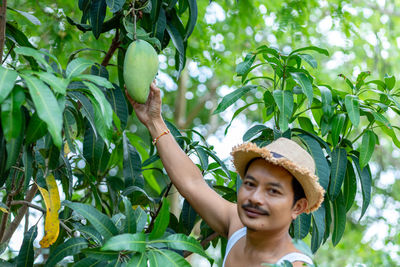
[114, 45]
[21, 213]
[203, 243]
[3, 11]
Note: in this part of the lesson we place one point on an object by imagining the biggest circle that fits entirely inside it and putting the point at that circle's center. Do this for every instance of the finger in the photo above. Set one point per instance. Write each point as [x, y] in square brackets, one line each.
[155, 90]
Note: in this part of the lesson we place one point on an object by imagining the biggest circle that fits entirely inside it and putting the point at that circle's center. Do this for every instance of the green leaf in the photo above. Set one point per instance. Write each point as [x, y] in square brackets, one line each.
[220, 162]
[141, 219]
[59, 85]
[104, 105]
[46, 106]
[338, 170]
[309, 59]
[238, 111]
[243, 67]
[138, 260]
[301, 225]
[305, 84]
[379, 117]
[13, 149]
[115, 5]
[182, 242]
[313, 48]
[34, 20]
[188, 216]
[131, 242]
[101, 255]
[202, 154]
[130, 220]
[89, 232]
[7, 81]
[87, 262]
[284, 101]
[97, 16]
[166, 258]
[390, 132]
[306, 124]
[323, 170]
[161, 221]
[390, 81]
[118, 103]
[26, 257]
[367, 147]
[18, 36]
[71, 247]
[177, 40]
[349, 186]
[337, 126]
[132, 163]
[36, 54]
[192, 18]
[318, 218]
[256, 129]
[86, 108]
[92, 149]
[353, 109]
[366, 184]
[231, 98]
[77, 66]
[326, 99]
[339, 222]
[100, 81]
[100, 221]
[11, 115]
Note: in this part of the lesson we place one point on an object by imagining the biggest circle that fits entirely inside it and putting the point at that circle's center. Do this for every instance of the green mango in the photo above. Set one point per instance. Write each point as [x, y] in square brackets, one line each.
[140, 69]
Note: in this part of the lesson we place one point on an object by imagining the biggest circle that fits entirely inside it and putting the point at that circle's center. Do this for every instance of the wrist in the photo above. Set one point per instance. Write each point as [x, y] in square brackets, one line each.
[156, 127]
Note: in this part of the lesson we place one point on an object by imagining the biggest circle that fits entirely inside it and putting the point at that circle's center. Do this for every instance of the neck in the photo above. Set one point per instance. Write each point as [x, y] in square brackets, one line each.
[272, 244]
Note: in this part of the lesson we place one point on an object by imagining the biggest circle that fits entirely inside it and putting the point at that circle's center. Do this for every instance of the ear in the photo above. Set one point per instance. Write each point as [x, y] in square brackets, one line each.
[299, 207]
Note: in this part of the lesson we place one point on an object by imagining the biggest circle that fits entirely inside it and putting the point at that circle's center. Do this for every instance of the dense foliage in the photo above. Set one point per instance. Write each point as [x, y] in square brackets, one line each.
[68, 140]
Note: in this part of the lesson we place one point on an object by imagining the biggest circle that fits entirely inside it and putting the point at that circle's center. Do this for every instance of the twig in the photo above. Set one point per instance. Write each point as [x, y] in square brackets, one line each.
[154, 216]
[114, 45]
[203, 243]
[8, 53]
[36, 207]
[30, 204]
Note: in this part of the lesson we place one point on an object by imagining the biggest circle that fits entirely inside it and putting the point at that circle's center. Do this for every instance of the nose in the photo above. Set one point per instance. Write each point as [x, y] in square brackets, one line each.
[257, 197]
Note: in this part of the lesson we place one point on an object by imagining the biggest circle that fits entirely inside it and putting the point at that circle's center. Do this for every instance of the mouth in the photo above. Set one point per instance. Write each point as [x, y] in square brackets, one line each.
[254, 212]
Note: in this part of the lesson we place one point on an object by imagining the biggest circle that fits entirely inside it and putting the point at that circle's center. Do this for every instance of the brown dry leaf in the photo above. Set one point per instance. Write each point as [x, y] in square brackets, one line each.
[52, 201]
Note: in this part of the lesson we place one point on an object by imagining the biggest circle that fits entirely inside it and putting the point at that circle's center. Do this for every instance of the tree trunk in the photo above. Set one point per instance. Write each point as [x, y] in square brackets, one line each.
[3, 9]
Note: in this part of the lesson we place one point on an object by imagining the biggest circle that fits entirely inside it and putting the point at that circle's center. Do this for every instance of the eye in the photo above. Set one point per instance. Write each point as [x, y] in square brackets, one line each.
[274, 191]
[248, 183]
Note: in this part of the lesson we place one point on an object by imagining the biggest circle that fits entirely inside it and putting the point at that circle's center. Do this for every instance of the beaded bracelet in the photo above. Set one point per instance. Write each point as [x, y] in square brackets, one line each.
[155, 140]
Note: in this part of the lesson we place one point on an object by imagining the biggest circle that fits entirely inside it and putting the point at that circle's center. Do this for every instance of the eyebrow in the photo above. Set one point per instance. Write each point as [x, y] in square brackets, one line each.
[271, 183]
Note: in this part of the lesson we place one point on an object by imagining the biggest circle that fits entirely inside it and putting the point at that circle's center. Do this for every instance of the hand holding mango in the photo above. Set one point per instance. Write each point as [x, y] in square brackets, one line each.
[140, 68]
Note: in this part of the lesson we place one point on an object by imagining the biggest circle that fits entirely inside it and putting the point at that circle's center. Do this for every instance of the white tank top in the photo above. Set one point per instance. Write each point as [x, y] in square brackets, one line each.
[291, 257]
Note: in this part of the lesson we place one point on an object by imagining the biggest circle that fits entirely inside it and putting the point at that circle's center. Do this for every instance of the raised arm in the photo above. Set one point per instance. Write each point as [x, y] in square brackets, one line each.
[184, 174]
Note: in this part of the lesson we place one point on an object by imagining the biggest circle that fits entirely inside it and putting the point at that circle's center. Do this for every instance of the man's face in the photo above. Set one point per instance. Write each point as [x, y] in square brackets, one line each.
[265, 199]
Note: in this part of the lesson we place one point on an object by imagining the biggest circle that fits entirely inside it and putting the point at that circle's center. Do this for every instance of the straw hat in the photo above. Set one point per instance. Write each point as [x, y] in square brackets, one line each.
[289, 155]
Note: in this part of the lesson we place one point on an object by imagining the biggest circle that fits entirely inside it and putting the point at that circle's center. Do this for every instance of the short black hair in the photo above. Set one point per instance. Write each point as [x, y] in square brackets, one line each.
[298, 191]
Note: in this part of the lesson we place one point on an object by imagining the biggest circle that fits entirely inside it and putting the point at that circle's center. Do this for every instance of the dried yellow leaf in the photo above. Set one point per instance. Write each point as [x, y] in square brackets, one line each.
[3, 210]
[52, 201]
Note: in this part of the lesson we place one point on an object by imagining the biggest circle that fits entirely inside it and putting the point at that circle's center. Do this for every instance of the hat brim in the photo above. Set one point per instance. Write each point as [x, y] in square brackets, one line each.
[314, 192]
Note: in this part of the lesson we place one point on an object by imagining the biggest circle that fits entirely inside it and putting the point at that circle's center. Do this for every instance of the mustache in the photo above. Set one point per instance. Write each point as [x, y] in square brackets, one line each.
[260, 210]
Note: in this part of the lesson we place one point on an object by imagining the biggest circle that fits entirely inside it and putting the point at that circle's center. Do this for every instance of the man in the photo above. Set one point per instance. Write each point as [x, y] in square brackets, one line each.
[257, 226]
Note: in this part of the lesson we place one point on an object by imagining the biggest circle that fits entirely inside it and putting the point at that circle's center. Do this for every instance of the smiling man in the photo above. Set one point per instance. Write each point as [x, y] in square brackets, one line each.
[278, 185]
